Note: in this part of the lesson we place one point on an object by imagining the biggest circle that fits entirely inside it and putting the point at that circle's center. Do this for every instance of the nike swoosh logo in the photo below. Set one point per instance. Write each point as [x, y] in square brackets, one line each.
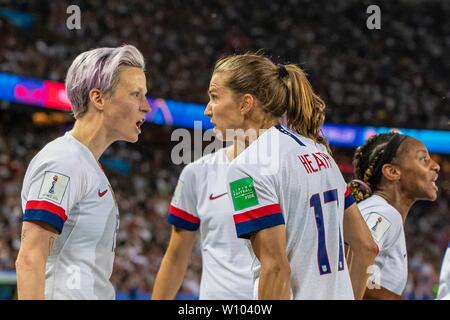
[101, 194]
[211, 197]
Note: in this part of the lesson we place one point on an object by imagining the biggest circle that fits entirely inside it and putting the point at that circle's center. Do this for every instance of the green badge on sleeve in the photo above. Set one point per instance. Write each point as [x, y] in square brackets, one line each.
[243, 193]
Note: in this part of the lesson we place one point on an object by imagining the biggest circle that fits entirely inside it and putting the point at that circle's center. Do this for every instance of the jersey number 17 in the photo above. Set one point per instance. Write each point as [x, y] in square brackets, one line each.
[322, 255]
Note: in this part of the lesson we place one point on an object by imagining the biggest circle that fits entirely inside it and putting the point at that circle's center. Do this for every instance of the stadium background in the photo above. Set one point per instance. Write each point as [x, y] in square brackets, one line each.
[394, 77]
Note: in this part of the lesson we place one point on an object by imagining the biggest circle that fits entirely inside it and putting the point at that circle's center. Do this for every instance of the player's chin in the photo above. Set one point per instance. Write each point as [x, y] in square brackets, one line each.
[219, 134]
[431, 195]
[132, 138]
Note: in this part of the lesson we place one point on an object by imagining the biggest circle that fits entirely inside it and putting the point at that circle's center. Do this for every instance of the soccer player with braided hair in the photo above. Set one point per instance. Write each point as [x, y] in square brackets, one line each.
[392, 172]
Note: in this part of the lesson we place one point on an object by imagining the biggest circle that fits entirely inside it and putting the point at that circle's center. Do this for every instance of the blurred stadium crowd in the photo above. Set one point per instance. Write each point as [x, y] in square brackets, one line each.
[364, 76]
[400, 69]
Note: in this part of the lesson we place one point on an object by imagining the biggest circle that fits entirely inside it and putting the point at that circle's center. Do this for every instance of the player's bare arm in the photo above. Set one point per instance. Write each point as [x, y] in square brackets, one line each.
[174, 264]
[381, 294]
[37, 242]
[275, 274]
[362, 246]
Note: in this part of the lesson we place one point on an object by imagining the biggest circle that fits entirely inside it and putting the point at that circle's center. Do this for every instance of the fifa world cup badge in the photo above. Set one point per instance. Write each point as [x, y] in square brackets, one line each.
[378, 225]
[374, 228]
[52, 189]
[53, 186]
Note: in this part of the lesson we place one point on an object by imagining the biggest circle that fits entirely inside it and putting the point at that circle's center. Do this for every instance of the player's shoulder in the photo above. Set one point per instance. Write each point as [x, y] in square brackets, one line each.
[218, 157]
[190, 171]
[447, 251]
[384, 221]
[277, 145]
[286, 140]
[278, 138]
[378, 208]
[199, 168]
[267, 146]
[60, 153]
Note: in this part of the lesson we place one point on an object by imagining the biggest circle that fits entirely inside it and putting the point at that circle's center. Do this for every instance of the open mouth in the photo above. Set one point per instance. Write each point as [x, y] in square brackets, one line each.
[433, 183]
[139, 124]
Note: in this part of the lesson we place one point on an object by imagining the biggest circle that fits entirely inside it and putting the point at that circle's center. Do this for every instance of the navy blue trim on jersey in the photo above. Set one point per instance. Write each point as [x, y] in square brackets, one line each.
[290, 134]
[349, 200]
[330, 195]
[245, 229]
[45, 216]
[181, 223]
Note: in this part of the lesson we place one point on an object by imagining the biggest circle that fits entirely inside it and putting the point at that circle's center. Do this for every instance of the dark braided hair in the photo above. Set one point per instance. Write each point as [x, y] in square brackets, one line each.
[365, 163]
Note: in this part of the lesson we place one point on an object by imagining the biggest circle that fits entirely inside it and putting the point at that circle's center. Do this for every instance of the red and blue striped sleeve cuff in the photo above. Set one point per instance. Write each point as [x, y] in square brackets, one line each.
[349, 199]
[40, 210]
[258, 219]
[182, 219]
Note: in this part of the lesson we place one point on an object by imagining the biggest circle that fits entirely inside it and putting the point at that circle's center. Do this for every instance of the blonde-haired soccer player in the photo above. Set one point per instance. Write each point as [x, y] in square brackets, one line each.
[292, 213]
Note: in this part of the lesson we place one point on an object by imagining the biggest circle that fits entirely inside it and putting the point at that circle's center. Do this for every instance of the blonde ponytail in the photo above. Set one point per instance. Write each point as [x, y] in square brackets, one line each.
[305, 110]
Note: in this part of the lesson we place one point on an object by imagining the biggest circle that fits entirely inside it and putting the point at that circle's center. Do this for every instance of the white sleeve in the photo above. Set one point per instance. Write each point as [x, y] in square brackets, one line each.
[254, 199]
[50, 191]
[444, 278]
[384, 230]
[183, 208]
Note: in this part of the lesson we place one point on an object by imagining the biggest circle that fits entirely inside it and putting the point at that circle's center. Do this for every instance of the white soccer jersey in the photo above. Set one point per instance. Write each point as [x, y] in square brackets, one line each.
[201, 200]
[285, 178]
[444, 279]
[65, 187]
[386, 226]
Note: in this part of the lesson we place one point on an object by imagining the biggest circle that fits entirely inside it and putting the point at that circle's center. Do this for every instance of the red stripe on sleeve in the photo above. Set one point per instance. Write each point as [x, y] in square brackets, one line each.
[183, 214]
[257, 213]
[347, 192]
[48, 206]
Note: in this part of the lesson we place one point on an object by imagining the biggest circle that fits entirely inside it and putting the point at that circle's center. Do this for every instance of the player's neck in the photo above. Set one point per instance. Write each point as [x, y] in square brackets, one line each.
[242, 141]
[260, 122]
[92, 135]
[231, 152]
[252, 129]
[397, 199]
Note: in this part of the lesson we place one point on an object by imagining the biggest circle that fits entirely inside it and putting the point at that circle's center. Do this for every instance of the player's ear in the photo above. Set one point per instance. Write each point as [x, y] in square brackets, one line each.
[247, 104]
[97, 100]
[391, 172]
